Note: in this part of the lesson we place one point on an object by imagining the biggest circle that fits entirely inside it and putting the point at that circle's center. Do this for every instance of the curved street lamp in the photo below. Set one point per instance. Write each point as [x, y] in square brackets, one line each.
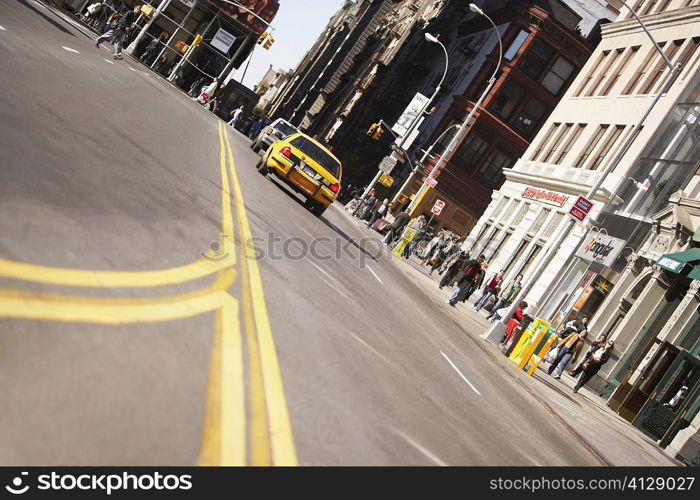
[464, 128]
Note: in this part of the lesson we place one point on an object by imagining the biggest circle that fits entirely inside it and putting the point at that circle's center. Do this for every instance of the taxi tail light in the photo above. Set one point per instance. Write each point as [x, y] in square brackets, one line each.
[286, 152]
[334, 187]
[268, 131]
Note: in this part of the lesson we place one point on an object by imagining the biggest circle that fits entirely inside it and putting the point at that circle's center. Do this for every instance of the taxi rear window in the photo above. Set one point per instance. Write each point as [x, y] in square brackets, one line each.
[319, 155]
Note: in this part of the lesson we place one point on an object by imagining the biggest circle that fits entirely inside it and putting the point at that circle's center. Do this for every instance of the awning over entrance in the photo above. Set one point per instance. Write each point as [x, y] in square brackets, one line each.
[695, 273]
[675, 262]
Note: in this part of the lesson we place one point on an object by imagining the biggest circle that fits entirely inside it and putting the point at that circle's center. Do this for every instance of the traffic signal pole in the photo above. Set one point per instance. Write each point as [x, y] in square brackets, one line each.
[132, 46]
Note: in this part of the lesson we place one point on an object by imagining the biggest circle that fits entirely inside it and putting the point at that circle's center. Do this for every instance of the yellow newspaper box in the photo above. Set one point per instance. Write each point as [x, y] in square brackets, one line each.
[408, 234]
[528, 342]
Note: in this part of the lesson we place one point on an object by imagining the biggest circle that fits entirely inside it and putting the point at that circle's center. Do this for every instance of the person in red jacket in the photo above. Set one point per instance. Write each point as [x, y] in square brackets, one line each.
[471, 271]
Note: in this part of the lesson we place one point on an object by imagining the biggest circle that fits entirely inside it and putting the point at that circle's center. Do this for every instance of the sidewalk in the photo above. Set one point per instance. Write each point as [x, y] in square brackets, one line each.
[613, 440]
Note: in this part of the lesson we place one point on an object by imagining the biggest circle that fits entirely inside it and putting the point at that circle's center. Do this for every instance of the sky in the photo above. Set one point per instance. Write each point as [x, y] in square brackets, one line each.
[297, 25]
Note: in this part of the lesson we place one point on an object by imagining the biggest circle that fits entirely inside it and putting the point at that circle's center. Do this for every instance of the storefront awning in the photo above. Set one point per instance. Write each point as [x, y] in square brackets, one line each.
[675, 262]
[695, 273]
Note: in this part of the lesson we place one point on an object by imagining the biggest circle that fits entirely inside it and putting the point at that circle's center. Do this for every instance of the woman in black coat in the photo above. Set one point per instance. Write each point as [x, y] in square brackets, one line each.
[591, 366]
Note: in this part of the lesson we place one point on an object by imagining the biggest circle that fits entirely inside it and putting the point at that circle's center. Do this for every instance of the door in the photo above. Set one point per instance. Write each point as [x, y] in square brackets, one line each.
[673, 395]
[643, 385]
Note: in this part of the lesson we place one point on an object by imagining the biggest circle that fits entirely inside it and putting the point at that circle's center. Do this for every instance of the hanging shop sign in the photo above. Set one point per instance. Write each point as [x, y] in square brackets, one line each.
[410, 114]
[602, 249]
[549, 197]
[223, 40]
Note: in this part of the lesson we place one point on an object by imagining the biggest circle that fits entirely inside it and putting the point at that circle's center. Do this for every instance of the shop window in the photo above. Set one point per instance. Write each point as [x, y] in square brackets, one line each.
[508, 99]
[530, 116]
[557, 76]
[516, 44]
[537, 59]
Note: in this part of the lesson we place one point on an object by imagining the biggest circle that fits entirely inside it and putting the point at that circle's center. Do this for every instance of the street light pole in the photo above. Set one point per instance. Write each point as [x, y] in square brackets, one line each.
[464, 128]
[494, 333]
[415, 122]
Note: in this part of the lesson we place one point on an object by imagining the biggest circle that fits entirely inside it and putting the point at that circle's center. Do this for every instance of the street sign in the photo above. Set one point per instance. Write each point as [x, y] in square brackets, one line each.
[223, 40]
[431, 181]
[582, 206]
[438, 207]
[387, 164]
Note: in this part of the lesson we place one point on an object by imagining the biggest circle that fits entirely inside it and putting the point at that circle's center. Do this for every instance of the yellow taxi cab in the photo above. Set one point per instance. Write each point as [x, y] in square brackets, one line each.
[307, 167]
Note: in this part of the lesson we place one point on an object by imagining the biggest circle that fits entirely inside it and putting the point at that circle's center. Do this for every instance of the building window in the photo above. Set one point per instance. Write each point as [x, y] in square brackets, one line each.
[642, 70]
[491, 171]
[557, 141]
[606, 147]
[591, 145]
[690, 49]
[558, 75]
[508, 99]
[648, 7]
[545, 140]
[516, 44]
[575, 134]
[539, 221]
[604, 73]
[499, 208]
[591, 71]
[470, 150]
[618, 72]
[552, 226]
[530, 116]
[537, 59]
[655, 74]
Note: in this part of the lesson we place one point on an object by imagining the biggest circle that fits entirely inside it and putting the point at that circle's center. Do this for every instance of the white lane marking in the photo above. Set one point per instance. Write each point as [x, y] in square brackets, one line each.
[2, 28]
[460, 373]
[369, 347]
[132, 69]
[420, 448]
[375, 275]
[69, 49]
[324, 272]
[146, 74]
[110, 62]
[304, 230]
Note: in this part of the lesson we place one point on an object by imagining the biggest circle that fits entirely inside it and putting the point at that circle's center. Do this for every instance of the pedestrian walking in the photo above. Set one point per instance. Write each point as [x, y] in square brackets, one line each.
[599, 342]
[454, 265]
[421, 228]
[152, 47]
[568, 349]
[443, 251]
[476, 284]
[379, 212]
[591, 366]
[472, 269]
[508, 294]
[396, 228]
[492, 288]
[117, 33]
[208, 91]
[514, 322]
[367, 205]
[255, 128]
[235, 116]
[196, 87]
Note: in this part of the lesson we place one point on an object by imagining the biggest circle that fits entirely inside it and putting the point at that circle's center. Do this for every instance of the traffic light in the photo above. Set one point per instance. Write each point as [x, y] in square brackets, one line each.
[262, 38]
[268, 43]
[375, 131]
[197, 41]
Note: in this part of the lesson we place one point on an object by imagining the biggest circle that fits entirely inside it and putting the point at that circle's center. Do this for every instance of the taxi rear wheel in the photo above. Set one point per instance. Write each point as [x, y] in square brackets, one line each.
[262, 168]
[314, 207]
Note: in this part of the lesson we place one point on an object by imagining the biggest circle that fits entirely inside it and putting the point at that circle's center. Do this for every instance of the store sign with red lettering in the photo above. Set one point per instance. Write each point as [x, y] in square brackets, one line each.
[550, 197]
[581, 208]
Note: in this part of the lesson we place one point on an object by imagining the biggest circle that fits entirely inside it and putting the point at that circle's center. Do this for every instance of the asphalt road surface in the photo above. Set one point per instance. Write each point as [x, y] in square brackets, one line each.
[162, 303]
